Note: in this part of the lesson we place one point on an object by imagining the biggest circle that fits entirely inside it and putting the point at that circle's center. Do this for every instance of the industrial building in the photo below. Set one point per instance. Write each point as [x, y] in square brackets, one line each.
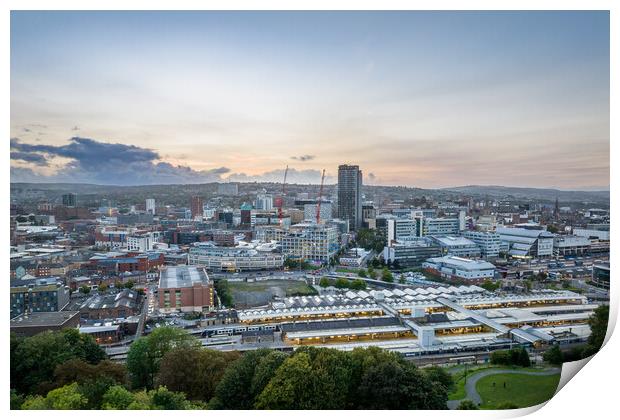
[460, 269]
[424, 319]
[185, 289]
[520, 242]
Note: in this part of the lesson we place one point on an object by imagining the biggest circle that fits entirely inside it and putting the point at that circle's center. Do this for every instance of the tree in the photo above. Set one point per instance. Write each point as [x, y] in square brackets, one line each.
[361, 272]
[67, 397]
[117, 398]
[129, 284]
[440, 377]
[85, 289]
[194, 371]
[506, 406]
[371, 273]
[554, 355]
[145, 353]
[16, 400]
[35, 358]
[163, 399]
[77, 370]
[598, 327]
[324, 282]
[223, 292]
[358, 284]
[386, 275]
[311, 379]
[401, 279]
[245, 379]
[341, 283]
[102, 287]
[467, 405]
[491, 286]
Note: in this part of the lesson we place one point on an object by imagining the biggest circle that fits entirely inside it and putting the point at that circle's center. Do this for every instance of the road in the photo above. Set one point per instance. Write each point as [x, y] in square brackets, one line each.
[470, 387]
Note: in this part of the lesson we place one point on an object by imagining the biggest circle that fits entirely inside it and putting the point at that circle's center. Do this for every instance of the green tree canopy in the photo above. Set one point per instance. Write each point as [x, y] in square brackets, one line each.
[467, 405]
[145, 353]
[194, 371]
[245, 379]
[35, 358]
[598, 327]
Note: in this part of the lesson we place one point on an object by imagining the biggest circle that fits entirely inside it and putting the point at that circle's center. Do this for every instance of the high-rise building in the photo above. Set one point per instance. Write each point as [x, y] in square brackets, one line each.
[196, 207]
[263, 202]
[350, 195]
[69, 200]
[150, 205]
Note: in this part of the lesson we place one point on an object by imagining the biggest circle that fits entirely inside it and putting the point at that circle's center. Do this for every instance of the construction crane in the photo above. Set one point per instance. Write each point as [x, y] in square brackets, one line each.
[280, 199]
[318, 204]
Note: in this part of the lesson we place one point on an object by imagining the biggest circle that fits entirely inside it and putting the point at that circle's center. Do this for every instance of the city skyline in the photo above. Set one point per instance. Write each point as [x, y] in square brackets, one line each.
[423, 99]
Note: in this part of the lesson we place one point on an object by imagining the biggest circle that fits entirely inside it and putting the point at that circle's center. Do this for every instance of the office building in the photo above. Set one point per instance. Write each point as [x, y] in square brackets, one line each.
[305, 241]
[350, 195]
[487, 241]
[440, 226]
[457, 246]
[259, 256]
[411, 253]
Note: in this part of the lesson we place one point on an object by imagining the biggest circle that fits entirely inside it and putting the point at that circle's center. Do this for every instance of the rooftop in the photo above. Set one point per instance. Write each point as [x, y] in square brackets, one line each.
[43, 319]
[182, 276]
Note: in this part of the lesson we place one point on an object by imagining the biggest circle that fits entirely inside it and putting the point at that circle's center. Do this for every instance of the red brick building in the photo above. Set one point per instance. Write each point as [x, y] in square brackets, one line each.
[185, 289]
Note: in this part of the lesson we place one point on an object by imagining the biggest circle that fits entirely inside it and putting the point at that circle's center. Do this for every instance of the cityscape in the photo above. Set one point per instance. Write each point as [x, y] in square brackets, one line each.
[142, 280]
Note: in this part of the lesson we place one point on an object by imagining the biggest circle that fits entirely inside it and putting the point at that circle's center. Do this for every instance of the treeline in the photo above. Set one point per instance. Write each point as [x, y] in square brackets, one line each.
[169, 369]
[598, 329]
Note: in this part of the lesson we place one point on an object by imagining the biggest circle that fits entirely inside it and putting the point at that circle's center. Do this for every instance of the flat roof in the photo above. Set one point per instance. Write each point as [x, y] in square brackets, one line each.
[182, 276]
[43, 319]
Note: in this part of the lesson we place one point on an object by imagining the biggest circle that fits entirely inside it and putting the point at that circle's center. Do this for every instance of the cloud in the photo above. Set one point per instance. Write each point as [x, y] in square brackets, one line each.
[29, 157]
[371, 176]
[92, 161]
[294, 176]
[75, 128]
[303, 158]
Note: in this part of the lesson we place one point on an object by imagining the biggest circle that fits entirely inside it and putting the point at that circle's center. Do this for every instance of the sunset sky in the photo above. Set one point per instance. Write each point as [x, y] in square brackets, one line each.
[425, 99]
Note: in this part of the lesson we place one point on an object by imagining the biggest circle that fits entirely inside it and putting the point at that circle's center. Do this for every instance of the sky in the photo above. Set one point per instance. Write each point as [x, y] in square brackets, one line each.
[423, 99]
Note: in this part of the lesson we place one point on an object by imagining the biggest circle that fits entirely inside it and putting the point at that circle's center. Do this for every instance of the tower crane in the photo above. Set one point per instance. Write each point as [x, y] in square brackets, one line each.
[280, 199]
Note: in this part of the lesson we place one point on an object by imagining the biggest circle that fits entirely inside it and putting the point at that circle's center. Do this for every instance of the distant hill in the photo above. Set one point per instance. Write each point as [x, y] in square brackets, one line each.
[549, 194]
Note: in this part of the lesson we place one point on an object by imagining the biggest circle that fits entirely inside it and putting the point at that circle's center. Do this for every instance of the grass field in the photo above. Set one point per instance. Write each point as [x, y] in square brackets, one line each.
[459, 377]
[290, 287]
[521, 390]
